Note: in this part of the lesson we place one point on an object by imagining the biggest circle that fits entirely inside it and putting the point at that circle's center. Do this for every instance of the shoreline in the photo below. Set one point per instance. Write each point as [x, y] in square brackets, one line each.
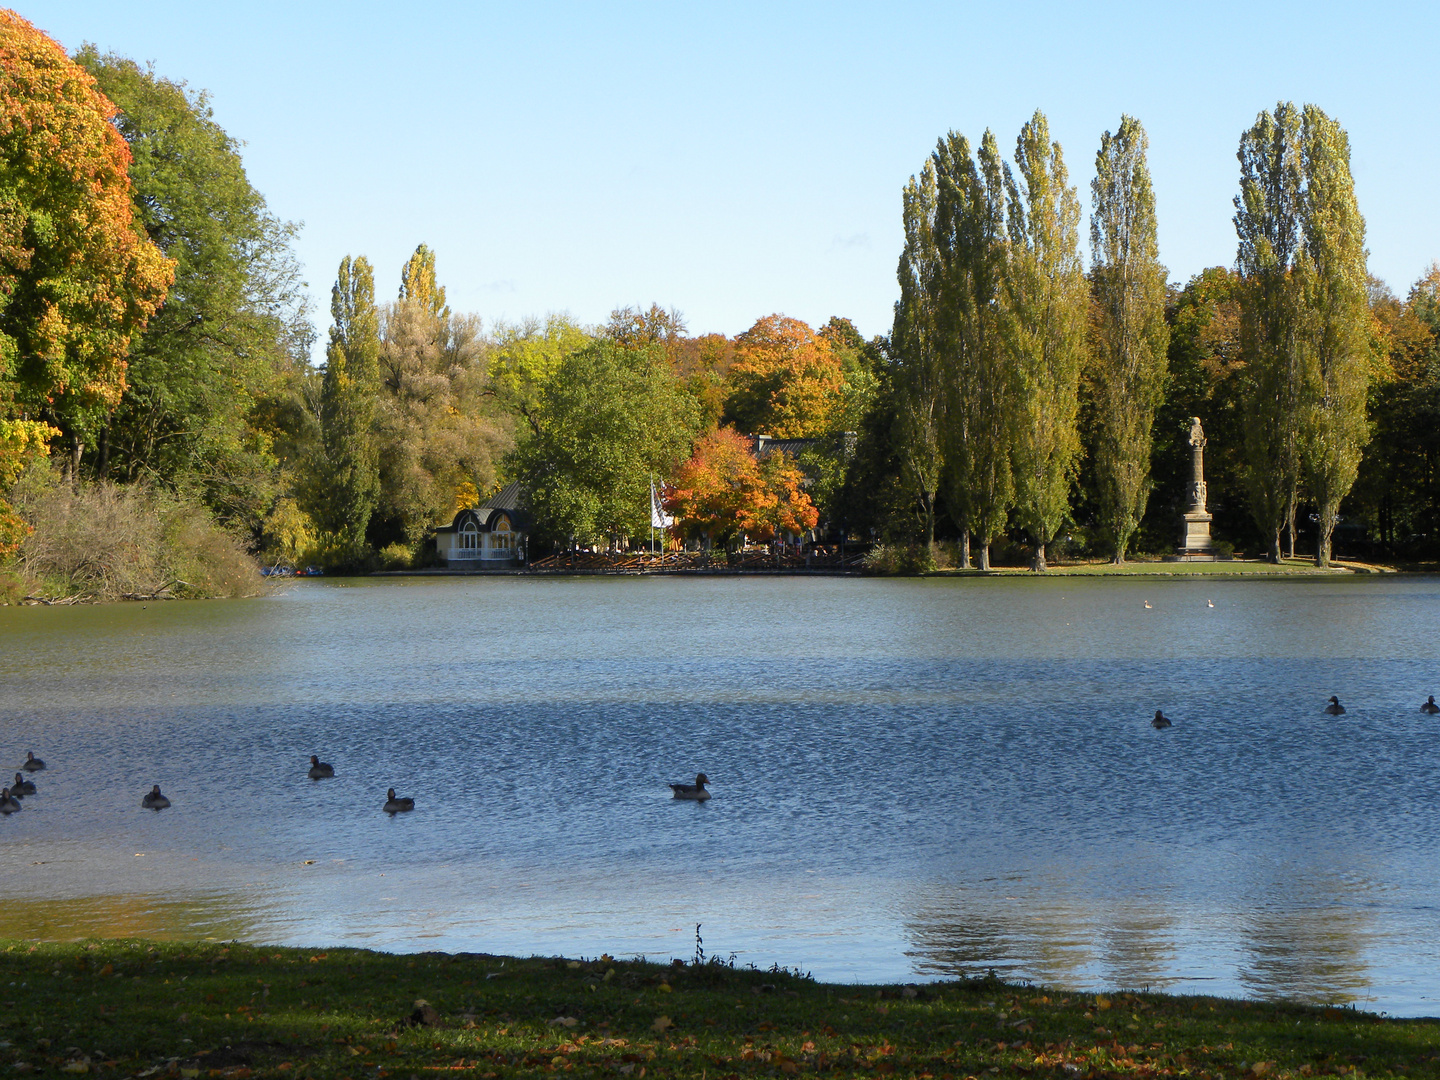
[185, 1009]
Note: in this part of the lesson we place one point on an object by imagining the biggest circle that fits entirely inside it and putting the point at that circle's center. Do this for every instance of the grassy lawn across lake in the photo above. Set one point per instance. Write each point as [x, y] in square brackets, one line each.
[166, 1009]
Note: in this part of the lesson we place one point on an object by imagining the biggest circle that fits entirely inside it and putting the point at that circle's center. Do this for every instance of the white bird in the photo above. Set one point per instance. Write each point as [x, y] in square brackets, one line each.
[1209, 603]
[1147, 605]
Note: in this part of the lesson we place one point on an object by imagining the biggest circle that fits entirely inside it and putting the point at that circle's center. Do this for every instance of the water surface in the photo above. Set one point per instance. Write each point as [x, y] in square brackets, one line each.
[912, 778]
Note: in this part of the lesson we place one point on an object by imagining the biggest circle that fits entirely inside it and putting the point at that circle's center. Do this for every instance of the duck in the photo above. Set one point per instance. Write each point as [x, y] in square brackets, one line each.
[1209, 603]
[320, 770]
[1430, 706]
[153, 800]
[694, 792]
[1335, 708]
[22, 786]
[8, 803]
[32, 763]
[1160, 721]
[1147, 605]
[394, 804]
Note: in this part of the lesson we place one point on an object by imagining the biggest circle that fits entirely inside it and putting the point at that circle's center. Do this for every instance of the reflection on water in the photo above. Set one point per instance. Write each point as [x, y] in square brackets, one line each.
[911, 778]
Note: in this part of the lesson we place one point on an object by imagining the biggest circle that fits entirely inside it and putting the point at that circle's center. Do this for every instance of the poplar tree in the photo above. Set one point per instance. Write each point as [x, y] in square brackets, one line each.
[1045, 307]
[970, 244]
[1267, 220]
[347, 482]
[915, 340]
[418, 284]
[1130, 336]
[1332, 283]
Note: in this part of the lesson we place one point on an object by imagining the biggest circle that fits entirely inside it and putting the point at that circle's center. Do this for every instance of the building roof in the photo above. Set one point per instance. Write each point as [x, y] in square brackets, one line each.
[507, 501]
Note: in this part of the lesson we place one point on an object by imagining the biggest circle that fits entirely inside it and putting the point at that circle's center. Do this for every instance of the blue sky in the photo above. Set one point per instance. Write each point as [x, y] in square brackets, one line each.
[736, 159]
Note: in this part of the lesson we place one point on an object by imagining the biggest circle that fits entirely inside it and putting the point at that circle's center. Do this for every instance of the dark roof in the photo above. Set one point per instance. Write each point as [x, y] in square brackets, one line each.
[510, 497]
[842, 443]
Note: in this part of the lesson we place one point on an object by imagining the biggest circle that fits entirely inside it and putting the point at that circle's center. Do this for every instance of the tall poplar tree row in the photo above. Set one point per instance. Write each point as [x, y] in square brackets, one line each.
[1337, 348]
[1267, 220]
[971, 244]
[348, 486]
[1046, 306]
[1130, 338]
[1303, 318]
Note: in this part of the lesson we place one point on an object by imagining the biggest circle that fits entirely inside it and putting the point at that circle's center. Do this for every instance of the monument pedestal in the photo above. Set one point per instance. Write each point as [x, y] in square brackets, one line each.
[1195, 542]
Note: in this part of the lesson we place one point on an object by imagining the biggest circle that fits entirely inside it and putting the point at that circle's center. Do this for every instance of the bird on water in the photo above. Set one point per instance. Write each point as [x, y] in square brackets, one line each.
[394, 804]
[153, 800]
[8, 803]
[22, 786]
[1147, 605]
[1335, 708]
[320, 770]
[694, 792]
[32, 763]
[1430, 706]
[1160, 721]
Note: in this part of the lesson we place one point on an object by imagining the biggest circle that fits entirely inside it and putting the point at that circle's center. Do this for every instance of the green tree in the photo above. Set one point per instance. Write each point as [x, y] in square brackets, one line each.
[1046, 305]
[1130, 335]
[919, 378]
[1267, 220]
[606, 421]
[525, 356]
[78, 278]
[970, 237]
[1338, 357]
[343, 485]
[235, 320]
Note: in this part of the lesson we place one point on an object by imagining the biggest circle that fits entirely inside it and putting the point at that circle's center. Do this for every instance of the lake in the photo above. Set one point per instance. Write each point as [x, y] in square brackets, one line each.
[912, 779]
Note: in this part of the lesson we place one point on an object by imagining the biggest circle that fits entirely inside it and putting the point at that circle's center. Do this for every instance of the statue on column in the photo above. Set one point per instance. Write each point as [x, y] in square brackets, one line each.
[1195, 542]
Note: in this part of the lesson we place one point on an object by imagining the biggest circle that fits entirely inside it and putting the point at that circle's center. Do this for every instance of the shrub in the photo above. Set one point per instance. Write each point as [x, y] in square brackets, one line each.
[107, 542]
[892, 559]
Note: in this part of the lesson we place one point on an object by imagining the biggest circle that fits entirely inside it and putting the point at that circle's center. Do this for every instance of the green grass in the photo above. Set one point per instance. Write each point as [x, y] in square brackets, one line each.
[150, 1009]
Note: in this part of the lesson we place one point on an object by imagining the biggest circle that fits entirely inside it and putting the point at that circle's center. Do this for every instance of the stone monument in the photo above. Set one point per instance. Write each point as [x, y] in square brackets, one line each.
[1195, 542]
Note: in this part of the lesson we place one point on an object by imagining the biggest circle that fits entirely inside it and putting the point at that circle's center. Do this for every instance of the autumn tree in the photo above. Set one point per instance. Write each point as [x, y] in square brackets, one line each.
[419, 286]
[786, 381]
[723, 492]
[523, 358]
[636, 327]
[1046, 306]
[1130, 337]
[78, 279]
[342, 486]
[234, 324]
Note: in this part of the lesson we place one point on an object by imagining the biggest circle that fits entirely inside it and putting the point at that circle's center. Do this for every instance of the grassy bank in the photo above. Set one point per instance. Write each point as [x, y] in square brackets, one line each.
[142, 1008]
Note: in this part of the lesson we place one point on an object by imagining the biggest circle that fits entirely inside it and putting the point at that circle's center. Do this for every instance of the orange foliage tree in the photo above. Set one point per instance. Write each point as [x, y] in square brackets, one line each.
[724, 492]
[786, 380]
[77, 278]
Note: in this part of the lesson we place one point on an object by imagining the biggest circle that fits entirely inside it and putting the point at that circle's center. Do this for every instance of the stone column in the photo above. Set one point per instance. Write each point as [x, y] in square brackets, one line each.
[1195, 539]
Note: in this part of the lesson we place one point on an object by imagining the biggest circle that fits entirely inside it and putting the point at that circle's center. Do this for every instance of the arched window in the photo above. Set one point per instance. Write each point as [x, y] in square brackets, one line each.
[502, 540]
[469, 537]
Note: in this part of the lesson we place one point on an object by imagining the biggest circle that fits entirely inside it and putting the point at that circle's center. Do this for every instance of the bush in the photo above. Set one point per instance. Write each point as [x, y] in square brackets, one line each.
[892, 559]
[396, 557]
[107, 542]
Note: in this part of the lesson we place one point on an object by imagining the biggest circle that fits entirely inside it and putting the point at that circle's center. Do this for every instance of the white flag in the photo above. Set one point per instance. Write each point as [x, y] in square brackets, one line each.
[658, 518]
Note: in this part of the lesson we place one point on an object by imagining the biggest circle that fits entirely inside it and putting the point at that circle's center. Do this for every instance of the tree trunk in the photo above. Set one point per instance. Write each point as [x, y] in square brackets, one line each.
[964, 547]
[985, 555]
[1290, 529]
[102, 467]
[1322, 548]
[1038, 563]
[1275, 555]
[77, 449]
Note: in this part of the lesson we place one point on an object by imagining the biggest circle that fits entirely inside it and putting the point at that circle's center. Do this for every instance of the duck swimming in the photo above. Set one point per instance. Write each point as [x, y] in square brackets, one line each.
[22, 786]
[1160, 721]
[394, 805]
[1335, 708]
[153, 800]
[320, 770]
[694, 792]
[1430, 706]
[32, 763]
[8, 803]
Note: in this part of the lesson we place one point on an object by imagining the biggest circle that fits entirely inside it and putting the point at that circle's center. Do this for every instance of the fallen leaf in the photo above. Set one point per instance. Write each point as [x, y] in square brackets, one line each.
[661, 1023]
[563, 1021]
